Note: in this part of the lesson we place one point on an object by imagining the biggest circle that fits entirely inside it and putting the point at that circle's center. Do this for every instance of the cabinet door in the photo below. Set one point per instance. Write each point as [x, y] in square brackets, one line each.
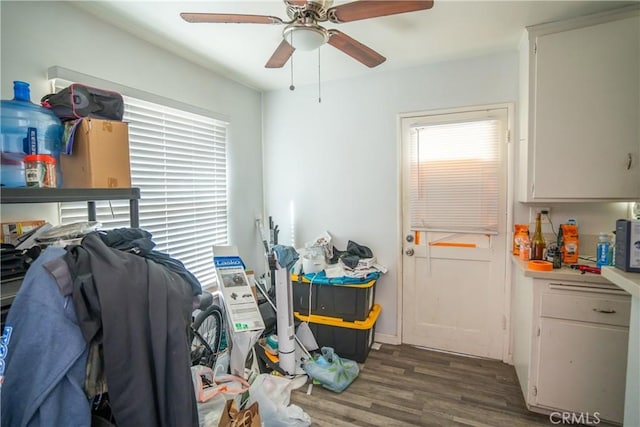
[586, 115]
[582, 367]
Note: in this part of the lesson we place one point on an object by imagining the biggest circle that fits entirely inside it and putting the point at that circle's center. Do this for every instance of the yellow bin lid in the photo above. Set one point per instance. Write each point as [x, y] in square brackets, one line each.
[303, 279]
[335, 321]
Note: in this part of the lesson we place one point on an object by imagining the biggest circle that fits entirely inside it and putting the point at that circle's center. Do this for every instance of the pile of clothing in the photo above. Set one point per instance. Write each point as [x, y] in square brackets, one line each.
[98, 332]
[357, 261]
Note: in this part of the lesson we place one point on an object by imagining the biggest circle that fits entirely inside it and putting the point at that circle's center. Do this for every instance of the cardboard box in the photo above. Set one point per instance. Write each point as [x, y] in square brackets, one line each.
[240, 304]
[242, 312]
[100, 156]
[12, 230]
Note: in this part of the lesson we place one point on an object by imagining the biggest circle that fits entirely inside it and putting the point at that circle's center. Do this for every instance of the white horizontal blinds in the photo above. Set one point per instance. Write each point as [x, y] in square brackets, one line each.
[112, 214]
[178, 160]
[454, 175]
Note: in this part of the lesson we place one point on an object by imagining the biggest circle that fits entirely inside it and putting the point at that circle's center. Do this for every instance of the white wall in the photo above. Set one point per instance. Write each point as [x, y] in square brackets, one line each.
[338, 161]
[38, 35]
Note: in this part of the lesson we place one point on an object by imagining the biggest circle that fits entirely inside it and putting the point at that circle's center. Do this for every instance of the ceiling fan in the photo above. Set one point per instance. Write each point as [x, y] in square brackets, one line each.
[303, 32]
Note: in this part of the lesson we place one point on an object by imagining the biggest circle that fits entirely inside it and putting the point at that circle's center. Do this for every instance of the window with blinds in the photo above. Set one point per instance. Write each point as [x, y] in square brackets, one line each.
[179, 162]
[455, 171]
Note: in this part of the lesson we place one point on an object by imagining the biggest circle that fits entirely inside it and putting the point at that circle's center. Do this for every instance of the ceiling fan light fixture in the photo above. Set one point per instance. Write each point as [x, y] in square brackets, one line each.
[305, 37]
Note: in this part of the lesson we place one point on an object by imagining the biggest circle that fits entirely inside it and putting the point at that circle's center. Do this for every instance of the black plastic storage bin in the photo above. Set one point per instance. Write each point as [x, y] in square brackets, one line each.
[351, 340]
[349, 302]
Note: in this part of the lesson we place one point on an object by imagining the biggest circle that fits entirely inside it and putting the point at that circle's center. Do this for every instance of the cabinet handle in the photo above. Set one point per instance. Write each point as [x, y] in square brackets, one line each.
[604, 311]
[629, 160]
[574, 288]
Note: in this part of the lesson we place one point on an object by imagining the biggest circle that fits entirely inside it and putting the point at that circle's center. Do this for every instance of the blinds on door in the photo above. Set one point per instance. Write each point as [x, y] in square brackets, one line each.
[179, 162]
[455, 172]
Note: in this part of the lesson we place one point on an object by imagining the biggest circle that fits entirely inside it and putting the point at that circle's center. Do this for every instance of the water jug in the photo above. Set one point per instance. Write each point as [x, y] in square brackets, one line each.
[26, 128]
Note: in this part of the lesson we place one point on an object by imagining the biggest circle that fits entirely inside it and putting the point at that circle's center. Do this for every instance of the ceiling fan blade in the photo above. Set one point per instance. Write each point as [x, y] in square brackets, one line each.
[230, 18]
[280, 56]
[355, 49]
[365, 9]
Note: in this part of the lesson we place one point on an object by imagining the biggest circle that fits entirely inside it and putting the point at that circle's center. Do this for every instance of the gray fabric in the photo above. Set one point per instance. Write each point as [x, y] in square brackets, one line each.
[138, 241]
[60, 271]
[140, 310]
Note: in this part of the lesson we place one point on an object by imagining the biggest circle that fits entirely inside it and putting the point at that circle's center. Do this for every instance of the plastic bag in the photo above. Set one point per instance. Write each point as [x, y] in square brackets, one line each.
[323, 242]
[332, 371]
[212, 392]
[273, 393]
[206, 385]
[210, 412]
[67, 234]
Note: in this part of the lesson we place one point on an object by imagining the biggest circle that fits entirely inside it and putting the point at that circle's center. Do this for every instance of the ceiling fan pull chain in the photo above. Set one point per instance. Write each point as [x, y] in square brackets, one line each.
[319, 96]
[291, 86]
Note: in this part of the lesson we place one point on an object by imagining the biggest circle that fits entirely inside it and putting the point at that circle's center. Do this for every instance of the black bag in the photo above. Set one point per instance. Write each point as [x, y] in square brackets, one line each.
[15, 262]
[77, 101]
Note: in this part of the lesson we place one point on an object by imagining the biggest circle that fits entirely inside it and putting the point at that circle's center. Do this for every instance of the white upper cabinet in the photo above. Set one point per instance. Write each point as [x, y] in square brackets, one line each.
[580, 123]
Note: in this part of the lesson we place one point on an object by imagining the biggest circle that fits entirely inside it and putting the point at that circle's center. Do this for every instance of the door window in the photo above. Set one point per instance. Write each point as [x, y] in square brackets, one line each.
[455, 168]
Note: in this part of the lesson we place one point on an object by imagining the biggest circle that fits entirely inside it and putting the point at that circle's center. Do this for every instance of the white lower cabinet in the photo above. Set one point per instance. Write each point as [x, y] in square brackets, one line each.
[577, 357]
[582, 368]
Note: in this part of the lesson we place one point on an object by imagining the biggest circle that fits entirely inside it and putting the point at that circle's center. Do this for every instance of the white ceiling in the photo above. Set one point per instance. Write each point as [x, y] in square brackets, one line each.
[452, 29]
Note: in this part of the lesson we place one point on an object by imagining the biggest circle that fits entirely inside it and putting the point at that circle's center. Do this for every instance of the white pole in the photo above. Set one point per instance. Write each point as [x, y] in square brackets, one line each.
[284, 321]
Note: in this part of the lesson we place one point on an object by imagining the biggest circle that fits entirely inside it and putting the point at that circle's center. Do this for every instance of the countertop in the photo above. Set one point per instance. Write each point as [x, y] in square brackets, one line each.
[564, 273]
[630, 282]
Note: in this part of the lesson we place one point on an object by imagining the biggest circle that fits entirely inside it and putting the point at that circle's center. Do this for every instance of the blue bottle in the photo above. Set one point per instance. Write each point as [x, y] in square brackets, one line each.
[602, 250]
[27, 128]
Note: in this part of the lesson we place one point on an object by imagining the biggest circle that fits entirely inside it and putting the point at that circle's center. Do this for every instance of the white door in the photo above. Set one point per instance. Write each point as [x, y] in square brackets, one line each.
[454, 230]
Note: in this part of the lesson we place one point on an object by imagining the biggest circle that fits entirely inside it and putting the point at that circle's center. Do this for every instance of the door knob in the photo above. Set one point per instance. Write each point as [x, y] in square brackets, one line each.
[409, 238]
[409, 252]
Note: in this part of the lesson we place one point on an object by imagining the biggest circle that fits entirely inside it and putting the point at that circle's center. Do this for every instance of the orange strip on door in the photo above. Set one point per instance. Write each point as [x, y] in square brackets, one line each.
[455, 245]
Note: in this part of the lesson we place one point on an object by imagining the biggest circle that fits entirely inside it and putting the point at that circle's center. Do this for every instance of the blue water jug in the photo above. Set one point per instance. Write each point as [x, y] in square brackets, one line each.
[27, 128]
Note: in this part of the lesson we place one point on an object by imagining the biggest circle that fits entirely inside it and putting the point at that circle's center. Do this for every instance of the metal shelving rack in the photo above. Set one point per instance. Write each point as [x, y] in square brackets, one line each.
[90, 195]
[57, 195]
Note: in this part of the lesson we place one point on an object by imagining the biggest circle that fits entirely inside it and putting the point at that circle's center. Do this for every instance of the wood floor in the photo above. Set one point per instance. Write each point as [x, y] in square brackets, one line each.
[407, 386]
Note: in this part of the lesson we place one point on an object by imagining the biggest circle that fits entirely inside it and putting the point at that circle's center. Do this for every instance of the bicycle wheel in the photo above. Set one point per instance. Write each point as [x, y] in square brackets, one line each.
[205, 336]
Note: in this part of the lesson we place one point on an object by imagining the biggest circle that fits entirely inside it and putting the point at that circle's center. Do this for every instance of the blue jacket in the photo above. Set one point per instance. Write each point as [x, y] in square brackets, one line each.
[44, 355]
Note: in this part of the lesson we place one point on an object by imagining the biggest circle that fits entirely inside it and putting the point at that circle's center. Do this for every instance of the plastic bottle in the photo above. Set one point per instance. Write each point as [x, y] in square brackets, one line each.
[537, 241]
[40, 170]
[26, 128]
[560, 238]
[602, 250]
[612, 250]
[557, 257]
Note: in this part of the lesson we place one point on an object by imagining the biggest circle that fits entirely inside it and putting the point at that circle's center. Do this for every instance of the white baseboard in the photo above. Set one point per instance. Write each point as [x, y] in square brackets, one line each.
[388, 339]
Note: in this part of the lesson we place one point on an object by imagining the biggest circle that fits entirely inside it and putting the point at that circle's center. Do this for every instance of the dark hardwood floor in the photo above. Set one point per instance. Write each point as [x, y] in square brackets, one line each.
[407, 386]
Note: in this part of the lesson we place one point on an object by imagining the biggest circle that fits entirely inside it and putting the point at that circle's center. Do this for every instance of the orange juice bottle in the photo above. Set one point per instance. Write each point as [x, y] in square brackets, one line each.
[521, 231]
